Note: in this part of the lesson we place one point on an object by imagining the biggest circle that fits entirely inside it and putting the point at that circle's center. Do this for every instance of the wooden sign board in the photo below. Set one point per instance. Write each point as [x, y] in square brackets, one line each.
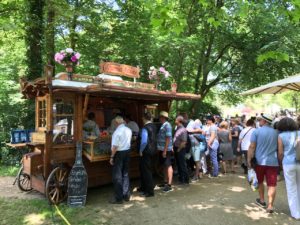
[112, 68]
[78, 181]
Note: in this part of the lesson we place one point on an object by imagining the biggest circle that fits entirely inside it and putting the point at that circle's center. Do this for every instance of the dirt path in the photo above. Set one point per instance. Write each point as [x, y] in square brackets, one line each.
[8, 190]
[225, 200]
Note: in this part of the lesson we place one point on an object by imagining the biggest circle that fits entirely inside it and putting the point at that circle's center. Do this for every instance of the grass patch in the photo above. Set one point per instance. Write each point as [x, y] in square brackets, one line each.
[35, 211]
[38, 211]
[8, 171]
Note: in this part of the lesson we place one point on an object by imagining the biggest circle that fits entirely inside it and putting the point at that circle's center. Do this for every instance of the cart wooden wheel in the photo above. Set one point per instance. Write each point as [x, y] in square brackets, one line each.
[23, 180]
[57, 185]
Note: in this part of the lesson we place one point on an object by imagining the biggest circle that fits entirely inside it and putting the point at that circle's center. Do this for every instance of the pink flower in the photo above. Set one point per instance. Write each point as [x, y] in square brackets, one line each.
[77, 55]
[167, 74]
[74, 59]
[162, 70]
[59, 57]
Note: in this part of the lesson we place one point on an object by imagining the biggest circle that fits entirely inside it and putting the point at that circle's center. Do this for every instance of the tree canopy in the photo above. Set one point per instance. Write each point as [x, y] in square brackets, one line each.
[225, 46]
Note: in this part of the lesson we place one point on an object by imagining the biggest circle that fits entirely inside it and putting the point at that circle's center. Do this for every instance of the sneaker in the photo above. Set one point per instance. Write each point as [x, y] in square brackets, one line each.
[162, 185]
[195, 179]
[211, 176]
[167, 188]
[260, 203]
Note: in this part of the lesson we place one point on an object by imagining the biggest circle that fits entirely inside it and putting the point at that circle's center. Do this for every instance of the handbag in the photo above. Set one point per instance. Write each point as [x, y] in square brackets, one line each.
[297, 147]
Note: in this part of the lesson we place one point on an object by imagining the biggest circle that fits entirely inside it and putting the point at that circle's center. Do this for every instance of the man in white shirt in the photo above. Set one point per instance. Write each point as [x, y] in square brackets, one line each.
[120, 155]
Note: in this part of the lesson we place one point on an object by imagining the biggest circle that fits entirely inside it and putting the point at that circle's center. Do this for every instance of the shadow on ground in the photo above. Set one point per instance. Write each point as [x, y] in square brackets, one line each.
[225, 200]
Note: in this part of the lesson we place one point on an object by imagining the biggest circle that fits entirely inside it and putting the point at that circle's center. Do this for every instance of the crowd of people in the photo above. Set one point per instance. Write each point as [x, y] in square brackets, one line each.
[208, 147]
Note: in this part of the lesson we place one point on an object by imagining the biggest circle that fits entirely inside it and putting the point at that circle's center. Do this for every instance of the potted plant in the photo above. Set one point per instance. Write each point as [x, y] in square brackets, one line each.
[174, 86]
[157, 75]
[68, 58]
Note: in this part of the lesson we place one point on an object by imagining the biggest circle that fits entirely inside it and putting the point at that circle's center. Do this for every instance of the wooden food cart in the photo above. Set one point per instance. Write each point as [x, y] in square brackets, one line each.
[61, 109]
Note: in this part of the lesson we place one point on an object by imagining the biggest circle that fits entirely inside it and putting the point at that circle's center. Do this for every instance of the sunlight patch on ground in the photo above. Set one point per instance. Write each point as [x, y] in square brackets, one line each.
[123, 207]
[236, 189]
[229, 209]
[199, 206]
[34, 219]
[137, 198]
[254, 212]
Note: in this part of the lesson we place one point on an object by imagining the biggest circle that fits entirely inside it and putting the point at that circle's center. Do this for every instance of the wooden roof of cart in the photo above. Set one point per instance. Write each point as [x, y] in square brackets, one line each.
[96, 85]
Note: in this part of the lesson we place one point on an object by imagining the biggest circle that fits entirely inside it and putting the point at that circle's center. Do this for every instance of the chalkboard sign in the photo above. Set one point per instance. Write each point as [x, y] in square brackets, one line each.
[78, 181]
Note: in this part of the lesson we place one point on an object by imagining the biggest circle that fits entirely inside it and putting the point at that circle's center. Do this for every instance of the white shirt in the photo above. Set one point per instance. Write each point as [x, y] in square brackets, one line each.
[133, 126]
[121, 138]
[246, 138]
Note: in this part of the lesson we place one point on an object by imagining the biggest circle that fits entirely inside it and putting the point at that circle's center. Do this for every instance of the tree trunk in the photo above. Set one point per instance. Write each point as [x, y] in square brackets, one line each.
[73, 35]
[50, 34]
[34, 38]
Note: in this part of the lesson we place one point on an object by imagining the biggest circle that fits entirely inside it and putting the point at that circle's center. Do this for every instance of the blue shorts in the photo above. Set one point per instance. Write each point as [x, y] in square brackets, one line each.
[196, 152]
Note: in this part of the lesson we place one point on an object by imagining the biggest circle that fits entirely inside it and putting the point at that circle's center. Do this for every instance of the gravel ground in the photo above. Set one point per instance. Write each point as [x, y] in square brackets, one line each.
[224, 200]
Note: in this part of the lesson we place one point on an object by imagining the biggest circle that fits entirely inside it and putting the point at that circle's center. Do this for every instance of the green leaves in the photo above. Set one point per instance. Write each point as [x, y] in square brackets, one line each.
[214, 22]
[275, 55]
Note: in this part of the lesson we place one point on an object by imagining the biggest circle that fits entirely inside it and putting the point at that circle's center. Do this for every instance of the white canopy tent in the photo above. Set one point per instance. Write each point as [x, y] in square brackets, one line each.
[291, 83]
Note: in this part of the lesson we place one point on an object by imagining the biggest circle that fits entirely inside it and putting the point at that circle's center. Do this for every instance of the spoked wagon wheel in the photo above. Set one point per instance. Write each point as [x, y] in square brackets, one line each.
[23, 180]
[57, 185]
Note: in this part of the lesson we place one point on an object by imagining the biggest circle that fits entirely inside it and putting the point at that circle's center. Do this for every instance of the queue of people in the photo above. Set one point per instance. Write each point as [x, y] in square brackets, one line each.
[198, 149]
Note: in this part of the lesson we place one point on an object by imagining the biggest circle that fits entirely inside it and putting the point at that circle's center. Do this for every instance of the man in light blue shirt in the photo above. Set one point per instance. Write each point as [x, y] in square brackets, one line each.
[165, 146]
[264, 147]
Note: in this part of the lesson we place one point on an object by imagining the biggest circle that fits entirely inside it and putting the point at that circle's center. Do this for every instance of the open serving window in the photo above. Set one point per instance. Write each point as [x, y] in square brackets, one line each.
[105, 109]
[63, 120]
